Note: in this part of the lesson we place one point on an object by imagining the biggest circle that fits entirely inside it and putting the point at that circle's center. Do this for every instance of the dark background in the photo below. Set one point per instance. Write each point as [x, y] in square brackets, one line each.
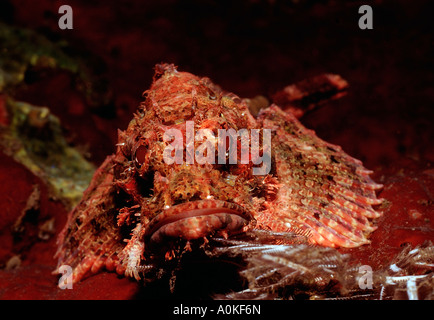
[250, 48]
[258, 47]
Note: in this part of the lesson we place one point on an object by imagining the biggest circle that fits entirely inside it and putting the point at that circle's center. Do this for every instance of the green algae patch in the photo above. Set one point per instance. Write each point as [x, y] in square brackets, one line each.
[34, 138]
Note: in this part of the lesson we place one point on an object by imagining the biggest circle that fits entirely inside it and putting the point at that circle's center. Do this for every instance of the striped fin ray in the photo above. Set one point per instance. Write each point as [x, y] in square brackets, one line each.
[323, 189]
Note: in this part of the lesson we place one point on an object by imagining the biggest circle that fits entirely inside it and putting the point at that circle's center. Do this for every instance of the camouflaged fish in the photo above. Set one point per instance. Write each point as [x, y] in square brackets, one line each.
[140, 207]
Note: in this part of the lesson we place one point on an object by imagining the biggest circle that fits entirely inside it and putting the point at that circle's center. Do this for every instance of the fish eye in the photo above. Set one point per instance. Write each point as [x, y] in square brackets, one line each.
[140, 156]
[211, 94]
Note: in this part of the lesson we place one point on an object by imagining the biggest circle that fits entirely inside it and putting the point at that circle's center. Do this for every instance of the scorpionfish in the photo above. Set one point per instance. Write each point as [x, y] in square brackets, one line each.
[139, 205]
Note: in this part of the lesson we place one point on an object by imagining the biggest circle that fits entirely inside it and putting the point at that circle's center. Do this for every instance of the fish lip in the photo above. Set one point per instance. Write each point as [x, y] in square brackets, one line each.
[200, 209]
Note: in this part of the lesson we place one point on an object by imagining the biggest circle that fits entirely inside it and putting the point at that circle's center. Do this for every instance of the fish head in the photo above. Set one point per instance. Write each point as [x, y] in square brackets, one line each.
[179, 162]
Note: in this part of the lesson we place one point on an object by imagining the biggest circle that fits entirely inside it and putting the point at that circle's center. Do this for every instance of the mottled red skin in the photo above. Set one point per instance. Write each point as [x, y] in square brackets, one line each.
[313, 187]
[135, 186]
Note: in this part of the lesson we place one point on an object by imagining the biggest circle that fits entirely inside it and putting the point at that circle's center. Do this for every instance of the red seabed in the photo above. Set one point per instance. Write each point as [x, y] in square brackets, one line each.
[386, 119]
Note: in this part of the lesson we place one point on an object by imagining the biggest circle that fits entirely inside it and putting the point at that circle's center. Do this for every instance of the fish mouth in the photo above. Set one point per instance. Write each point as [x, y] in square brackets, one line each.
[198, 219]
